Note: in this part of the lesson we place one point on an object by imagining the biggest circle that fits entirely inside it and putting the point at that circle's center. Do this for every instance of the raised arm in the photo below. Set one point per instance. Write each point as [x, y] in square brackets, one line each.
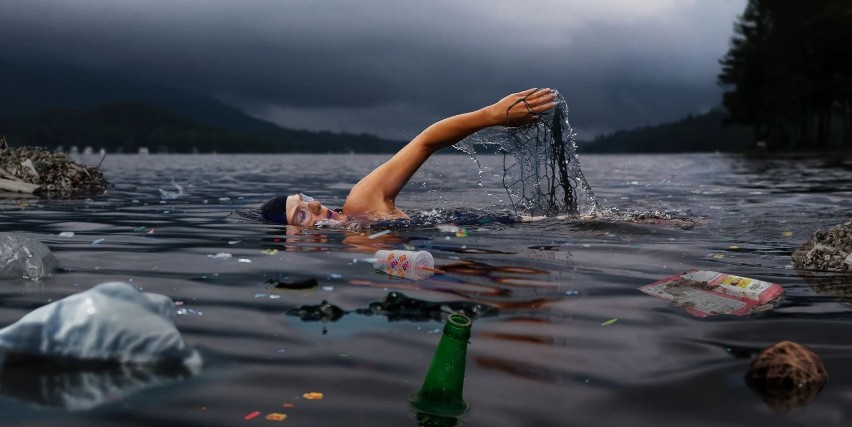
[377, 191]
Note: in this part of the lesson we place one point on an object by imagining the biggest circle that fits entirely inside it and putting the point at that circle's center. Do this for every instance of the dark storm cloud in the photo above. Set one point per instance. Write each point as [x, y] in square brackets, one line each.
[391, 67]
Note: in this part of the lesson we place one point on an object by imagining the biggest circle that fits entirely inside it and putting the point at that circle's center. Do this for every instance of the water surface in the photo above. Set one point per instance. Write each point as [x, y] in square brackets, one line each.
[538, 357]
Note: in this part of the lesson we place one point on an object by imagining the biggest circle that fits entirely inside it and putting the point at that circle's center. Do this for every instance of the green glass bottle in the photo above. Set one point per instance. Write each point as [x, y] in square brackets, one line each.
[441, 393]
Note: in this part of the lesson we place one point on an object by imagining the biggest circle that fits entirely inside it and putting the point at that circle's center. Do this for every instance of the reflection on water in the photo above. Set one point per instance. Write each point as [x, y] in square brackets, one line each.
[76, 385]
[542, 292]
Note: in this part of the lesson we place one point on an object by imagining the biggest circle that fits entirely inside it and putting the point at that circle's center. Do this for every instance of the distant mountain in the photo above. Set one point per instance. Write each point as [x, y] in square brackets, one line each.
[694, 133]
[126, 127]
[34, 94]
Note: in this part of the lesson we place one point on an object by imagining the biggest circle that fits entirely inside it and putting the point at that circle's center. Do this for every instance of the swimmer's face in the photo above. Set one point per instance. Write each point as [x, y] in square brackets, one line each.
[305, 211]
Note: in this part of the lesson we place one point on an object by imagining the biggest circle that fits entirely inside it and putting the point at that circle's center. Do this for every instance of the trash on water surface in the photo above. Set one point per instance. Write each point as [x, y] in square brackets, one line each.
[276, 416]
[408, 264]
[786, 375]
[314, 395]
[705, 293]
[220, 255]
[379, 234]
[609, 322]
[25, 257]
[66, 234]
[171, 195]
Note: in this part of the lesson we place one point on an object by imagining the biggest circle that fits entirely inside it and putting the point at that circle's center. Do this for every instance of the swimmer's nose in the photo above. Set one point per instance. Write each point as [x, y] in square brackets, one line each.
[315, 207]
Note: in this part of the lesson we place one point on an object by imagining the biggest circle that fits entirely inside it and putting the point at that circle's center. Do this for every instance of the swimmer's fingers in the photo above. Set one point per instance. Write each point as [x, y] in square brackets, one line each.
[523, 107]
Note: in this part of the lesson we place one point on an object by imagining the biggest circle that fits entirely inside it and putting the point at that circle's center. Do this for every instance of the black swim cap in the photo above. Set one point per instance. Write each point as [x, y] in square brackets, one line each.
[275, 209]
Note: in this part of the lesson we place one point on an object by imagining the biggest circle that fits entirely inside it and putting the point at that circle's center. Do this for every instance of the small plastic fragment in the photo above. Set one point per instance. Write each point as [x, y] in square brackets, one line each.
[66, 234]
[379, 234]
[609, 322]
[276, 416]
[788, 234]
[251, 415]
[141, 228]
[288, 406]
[461, 233]
[313, 395]
[98, 241]
[220, 255]
[269, 251]
[244, 260]
[328, 288]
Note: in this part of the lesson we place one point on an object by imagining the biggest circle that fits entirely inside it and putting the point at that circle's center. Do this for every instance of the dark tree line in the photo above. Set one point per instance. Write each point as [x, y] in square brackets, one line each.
[788, 72]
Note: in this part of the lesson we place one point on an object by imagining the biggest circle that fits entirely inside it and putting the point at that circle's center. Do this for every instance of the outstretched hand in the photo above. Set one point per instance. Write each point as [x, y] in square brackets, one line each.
[523, 107]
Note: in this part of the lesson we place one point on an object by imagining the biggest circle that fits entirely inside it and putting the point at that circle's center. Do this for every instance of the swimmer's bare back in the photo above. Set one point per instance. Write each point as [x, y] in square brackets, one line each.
[374, 197]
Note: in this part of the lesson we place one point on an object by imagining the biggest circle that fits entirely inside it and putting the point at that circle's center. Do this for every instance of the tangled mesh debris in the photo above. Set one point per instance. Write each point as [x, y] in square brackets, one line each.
[541, 172]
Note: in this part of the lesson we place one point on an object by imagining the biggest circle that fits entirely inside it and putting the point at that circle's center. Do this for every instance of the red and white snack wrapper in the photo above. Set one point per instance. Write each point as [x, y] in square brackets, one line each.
[705, 293]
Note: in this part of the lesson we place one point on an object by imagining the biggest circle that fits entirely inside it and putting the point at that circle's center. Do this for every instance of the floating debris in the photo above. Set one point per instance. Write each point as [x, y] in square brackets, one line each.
[98, 241]
[171, 195]
[827, 250]
[269, 251]
[220, 255]
[609, 322]
[379, 234]
[66, 234]
[324, 312]
[47, 173]
[787, 375]
[276, 416]
[705, 293]
[397, 306]
[251, 415]
[314, 395]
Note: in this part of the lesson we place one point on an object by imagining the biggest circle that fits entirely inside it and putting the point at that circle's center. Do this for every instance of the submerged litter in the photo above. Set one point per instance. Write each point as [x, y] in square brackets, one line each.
[66, 234]
[705, 293]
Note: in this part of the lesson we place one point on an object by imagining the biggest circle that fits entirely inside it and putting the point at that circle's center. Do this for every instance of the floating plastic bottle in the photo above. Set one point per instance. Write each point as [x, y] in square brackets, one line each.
[414, 265]
[441, 393]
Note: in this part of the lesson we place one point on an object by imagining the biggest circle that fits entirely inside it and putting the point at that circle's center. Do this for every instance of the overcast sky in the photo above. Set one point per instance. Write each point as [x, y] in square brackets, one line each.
[392, 67]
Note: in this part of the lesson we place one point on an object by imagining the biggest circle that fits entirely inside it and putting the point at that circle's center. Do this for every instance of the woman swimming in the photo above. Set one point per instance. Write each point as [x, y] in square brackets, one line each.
[374, 197]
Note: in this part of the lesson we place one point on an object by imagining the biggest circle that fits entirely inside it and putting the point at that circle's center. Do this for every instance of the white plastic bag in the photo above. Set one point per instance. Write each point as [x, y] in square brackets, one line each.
[22, 256]
[110, 322]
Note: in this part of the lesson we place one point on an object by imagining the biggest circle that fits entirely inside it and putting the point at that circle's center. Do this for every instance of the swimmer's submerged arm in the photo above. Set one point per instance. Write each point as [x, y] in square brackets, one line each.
[379, 189]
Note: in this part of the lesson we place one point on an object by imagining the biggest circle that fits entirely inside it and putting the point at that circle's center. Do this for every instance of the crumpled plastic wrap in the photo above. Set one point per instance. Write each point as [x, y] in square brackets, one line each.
[93, 348]
[111, 322]
[24, 257]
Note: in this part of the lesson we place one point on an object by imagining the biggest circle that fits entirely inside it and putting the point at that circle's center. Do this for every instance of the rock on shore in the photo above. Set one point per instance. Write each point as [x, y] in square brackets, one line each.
[827, 250]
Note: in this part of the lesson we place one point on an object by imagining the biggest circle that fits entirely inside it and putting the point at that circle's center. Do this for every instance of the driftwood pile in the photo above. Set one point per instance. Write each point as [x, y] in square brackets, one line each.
[46, 173]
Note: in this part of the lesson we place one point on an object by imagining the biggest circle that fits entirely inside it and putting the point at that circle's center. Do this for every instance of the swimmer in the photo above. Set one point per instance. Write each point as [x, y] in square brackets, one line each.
[374, 196]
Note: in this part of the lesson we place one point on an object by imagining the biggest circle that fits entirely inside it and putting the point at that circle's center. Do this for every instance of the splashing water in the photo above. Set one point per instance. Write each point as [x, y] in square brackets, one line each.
[541, 171]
